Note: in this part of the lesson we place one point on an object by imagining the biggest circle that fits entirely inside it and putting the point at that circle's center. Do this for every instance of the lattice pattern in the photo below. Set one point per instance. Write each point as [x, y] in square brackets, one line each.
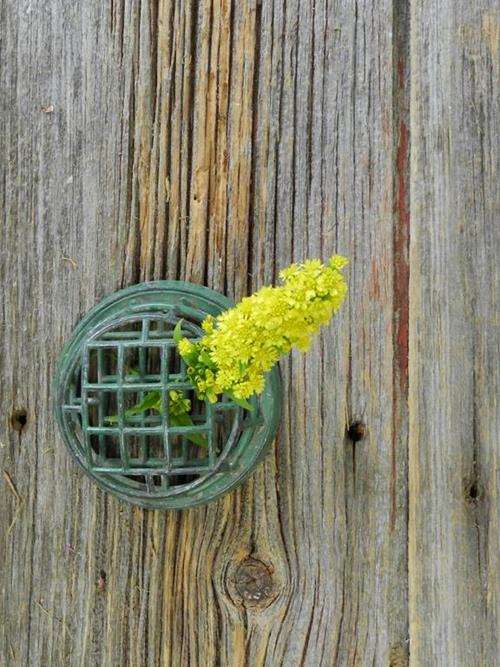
[118, 369]
[122, 350]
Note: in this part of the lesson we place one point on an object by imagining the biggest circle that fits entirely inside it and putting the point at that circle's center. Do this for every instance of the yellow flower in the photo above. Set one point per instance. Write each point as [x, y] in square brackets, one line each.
[178, 404]
[185, 347]
[244, 342]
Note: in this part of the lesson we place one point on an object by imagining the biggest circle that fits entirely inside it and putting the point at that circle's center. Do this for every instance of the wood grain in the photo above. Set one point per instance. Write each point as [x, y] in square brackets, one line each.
[217, 141]
[454, 342]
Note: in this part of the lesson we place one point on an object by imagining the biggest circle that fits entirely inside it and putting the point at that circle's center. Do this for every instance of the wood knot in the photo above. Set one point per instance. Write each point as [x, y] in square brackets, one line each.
[254, 583]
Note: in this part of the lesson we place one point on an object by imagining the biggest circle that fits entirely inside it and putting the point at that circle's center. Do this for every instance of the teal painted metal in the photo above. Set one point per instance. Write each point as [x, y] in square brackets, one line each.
[123, 349]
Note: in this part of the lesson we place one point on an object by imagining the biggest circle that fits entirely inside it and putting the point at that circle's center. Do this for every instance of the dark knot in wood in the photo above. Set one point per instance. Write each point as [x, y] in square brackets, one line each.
[254, 583]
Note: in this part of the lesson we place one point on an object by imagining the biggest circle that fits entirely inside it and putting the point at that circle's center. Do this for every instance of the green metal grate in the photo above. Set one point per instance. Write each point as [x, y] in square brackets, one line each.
[122, 350]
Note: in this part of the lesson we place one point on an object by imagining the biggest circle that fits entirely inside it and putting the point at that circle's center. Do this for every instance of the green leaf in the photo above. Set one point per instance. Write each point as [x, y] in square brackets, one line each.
[191, 358]
[148, 403]
[241, 402]
[152, 401]
[185, 420]
[207, 359]
[177, 335]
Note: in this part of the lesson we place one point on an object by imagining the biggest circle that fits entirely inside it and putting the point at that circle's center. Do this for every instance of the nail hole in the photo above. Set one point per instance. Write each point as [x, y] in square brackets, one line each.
[101, 582]
[18, 420]
[473, 491]
[356, 431]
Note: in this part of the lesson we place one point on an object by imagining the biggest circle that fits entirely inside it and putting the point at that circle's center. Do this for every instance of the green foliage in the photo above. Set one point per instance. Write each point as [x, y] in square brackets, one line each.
[243, 343]
[179, 408]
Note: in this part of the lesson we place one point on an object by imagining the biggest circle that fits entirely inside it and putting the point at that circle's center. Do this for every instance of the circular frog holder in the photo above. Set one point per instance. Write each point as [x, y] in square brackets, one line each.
[123, 354]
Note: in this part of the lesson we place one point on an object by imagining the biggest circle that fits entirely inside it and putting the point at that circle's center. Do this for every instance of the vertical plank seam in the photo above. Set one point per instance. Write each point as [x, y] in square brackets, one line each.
[32, 548]
[253, 161]
[401, 235]
[401, 70]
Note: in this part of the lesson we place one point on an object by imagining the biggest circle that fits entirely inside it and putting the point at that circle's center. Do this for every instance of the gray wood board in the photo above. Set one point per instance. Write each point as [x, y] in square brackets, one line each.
[217, 142]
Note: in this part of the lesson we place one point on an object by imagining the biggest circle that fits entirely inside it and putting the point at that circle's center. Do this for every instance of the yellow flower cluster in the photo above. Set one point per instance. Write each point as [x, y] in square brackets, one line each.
[244, 342]
[178, 404]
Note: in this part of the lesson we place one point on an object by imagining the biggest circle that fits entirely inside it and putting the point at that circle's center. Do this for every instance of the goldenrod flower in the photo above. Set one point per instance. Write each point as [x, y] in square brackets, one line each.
[178, 404]
[244, 342]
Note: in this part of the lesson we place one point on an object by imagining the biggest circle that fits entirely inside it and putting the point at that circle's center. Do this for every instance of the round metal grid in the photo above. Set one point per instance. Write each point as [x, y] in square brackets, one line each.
[122, 350]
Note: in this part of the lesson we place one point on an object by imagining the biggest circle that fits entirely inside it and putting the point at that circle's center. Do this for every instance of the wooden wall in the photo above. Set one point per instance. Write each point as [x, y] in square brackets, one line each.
[217, 141]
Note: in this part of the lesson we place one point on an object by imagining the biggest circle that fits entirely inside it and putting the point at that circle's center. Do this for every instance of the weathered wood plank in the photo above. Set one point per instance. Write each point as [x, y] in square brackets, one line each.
[214, 142]
[218, 141]
[454, 343]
